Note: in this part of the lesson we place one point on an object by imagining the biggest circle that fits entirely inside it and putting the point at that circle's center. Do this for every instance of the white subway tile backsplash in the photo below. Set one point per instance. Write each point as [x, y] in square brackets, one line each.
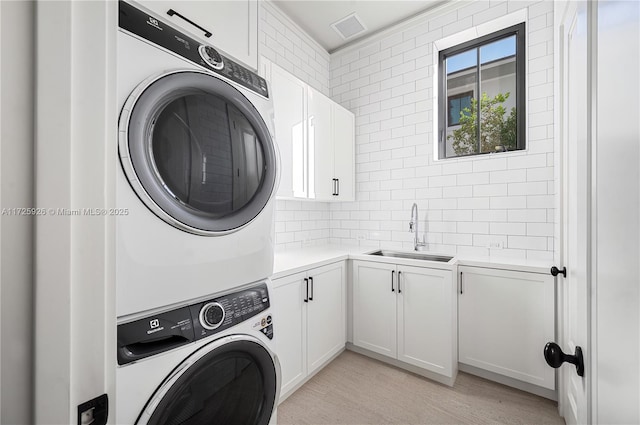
[527, 242]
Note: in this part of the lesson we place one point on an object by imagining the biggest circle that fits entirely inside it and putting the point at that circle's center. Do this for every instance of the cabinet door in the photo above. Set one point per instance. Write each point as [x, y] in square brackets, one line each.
[505, 320]
[320, 146]
[289, 103]
[290, 329]
[233, 24]
[374, 307]
[344, 147]
[326, 315]
[426, 318]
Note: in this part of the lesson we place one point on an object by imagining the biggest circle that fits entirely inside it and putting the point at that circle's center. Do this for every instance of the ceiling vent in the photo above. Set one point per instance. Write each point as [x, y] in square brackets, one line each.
[349, 26]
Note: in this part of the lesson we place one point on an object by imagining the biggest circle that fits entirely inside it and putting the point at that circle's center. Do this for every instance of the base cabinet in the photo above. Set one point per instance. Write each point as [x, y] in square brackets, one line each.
[406, 313]
[505, 319]
[309, 321]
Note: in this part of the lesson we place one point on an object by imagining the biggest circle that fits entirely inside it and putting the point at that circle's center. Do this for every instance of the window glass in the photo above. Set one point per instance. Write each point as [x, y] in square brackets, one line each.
[207, 154]
[481, 89]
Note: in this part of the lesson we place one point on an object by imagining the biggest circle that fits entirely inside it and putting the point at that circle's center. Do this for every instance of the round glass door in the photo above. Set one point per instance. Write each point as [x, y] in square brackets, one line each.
[235, 383]
[197, 152]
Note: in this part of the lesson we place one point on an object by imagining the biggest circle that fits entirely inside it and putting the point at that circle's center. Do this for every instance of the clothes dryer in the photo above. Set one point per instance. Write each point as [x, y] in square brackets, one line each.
[198, 167]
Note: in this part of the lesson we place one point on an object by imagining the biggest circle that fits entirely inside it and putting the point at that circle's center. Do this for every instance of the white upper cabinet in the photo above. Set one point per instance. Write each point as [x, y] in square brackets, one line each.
[233, 24]
[344, 141]
[315, 138]
[321, 174]
[290, 103]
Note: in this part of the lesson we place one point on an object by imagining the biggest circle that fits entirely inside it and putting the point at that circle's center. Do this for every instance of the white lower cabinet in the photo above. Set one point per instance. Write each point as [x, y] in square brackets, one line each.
[505, 319]
[309, 321]
[406, 313]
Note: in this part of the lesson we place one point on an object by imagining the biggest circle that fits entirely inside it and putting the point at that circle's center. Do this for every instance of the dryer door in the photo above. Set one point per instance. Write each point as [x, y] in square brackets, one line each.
[233, 380]
[197, 152]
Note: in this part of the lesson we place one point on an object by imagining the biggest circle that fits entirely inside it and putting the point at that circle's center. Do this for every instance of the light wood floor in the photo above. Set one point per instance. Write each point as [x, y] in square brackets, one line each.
[355, 389]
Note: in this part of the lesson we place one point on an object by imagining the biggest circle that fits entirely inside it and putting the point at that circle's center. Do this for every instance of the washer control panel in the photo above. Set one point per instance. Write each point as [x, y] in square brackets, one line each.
[167, 330]
[220, 313]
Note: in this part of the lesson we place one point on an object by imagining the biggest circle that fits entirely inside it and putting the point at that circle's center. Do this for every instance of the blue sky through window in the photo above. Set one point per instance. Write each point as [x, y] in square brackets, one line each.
[489, 52]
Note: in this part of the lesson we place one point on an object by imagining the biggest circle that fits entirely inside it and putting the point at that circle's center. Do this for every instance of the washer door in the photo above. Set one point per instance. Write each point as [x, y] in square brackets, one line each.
[197, 152]
[233, 380]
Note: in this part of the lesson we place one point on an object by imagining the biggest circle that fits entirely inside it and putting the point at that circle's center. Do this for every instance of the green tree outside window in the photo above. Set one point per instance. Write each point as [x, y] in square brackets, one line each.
[497, 133]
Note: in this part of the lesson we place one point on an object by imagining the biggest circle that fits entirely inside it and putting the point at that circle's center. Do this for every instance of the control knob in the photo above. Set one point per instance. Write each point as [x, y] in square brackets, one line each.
[212, 315]
[211, 56]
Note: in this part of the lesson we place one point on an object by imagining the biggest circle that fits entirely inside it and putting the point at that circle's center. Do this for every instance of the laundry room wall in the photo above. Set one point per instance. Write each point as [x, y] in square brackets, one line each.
[287, 45]
[17, 49]
[465, 204]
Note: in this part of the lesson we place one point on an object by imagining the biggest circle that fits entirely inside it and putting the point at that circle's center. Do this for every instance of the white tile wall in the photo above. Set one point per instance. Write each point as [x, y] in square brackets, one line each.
[298, 223]
[466, 205]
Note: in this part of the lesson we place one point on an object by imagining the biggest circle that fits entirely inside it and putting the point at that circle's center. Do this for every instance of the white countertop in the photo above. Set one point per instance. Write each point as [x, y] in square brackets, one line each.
[299, 260]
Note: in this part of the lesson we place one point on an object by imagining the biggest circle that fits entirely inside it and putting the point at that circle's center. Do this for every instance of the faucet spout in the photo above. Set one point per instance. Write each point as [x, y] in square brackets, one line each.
[413, 226]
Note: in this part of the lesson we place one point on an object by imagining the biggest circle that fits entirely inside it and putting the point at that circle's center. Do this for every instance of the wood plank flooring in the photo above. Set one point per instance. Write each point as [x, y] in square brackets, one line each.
[355, 389]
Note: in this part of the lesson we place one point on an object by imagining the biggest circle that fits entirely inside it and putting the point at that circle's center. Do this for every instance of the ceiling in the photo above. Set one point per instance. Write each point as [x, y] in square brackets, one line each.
[316, 16]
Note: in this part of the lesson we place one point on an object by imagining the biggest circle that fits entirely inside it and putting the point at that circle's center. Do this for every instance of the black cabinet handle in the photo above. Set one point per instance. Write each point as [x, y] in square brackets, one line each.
[172, 12]
[555, 357]
[306, 282]
[556, 271]
[461, 292]
[337, 187]
[399, 290]
[393, 272]
[311, 280]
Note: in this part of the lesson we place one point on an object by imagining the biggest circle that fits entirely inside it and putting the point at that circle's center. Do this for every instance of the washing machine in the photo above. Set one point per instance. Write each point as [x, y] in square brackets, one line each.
[198, 168]
[210, 361]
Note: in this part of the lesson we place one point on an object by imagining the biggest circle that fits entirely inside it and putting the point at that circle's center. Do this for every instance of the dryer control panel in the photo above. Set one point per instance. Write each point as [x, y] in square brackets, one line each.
[153, 30]
[171, 329]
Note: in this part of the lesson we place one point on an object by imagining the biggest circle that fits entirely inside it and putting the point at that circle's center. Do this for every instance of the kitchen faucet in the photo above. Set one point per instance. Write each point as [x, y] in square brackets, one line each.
[413, 227]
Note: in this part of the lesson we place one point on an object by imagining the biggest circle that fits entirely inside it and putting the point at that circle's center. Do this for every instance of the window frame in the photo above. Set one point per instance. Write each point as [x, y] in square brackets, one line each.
[519, 30]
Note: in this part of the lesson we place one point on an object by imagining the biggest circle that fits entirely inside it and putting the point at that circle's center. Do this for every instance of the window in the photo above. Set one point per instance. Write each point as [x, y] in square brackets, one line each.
[458, 103]
[481, 95]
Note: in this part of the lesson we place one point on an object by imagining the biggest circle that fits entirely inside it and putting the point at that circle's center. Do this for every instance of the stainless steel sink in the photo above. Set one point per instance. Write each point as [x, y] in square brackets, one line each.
[412, 255]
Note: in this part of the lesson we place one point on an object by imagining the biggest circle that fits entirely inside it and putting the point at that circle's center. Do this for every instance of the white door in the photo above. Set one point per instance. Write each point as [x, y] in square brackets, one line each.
[344, 145]
[374, 307]
[616, 183]
[290, 330]
[289, 104]
[574, 390]
[426, 318]
[326, 314]
[320, 122]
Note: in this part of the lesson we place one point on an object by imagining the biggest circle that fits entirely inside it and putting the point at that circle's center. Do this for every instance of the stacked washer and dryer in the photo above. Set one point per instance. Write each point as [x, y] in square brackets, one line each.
[194, 254]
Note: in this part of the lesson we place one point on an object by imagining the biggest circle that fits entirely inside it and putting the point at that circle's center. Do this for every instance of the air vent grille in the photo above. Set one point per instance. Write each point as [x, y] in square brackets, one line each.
[349, 26]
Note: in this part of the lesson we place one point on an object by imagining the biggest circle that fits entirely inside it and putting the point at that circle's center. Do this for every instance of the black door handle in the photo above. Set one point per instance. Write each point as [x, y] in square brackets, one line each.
[337, 187]
[555, 357]
[399, 290]
[306, 281]
[172, 12]
[311, 280]
[393, 272]
[555, 271]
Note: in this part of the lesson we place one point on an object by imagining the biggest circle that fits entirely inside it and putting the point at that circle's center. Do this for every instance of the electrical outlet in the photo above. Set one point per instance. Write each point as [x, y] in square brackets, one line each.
[361, 237]
[496, 245]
